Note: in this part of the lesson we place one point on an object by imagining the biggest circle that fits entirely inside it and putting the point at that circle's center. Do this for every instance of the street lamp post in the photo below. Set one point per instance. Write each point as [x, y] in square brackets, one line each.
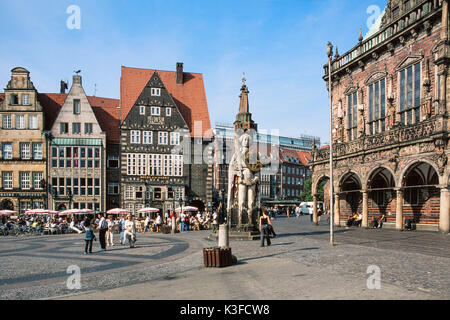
[330, 54]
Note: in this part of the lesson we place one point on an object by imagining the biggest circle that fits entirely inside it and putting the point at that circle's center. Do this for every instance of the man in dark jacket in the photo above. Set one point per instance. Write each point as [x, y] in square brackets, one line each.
[102, 227]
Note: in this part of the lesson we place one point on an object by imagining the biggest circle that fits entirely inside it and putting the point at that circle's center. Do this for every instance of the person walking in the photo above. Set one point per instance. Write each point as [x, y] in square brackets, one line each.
[215, 221]
[264, 223]
[147, 224]
[122, 230]
[158, 222]
[89, 238]
[297, 211]
[130, 231]
[182, 222]
[110, 232]
[102, 227]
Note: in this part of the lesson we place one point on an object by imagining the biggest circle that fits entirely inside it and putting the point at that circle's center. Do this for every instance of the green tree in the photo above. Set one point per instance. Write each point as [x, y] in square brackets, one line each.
[306, 195]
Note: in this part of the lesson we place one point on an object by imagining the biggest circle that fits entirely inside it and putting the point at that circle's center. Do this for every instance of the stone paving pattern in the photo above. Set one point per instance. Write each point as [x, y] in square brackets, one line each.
[299, 265]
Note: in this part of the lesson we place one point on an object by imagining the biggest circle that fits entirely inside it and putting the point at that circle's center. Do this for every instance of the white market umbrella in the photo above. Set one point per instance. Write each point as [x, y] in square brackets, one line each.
[7, 212]
[68, 212]
[41, 211]
[186, 209]
[148, 210]
[118, 211]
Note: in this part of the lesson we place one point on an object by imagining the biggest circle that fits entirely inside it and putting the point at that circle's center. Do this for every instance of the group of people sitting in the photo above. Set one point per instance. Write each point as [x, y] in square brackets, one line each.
[185, 221]
[40, 225]
[355, 220]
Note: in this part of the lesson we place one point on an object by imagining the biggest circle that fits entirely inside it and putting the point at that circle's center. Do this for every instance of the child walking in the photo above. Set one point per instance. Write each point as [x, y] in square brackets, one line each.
[89, 237]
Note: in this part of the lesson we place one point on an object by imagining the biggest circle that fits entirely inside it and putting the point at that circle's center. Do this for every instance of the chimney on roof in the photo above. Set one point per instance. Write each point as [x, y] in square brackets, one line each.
[179, 73]
[77, 80]
[64, 86]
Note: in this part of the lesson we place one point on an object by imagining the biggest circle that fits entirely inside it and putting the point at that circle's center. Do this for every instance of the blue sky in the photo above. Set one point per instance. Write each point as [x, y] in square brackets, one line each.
[279, 44]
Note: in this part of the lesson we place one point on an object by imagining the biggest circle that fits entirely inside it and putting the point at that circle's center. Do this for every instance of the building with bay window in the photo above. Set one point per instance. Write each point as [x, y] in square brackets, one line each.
[391, 101]
[22, 145]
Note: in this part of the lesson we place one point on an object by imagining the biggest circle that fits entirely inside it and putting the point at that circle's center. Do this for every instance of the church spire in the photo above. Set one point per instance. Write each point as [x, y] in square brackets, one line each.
[243, 105]
[244, 117]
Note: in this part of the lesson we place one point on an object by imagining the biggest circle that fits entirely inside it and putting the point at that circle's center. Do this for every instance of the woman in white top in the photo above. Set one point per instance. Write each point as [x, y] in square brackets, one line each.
[72, 226]
[130, 231]
[110, 232]
[158, 222]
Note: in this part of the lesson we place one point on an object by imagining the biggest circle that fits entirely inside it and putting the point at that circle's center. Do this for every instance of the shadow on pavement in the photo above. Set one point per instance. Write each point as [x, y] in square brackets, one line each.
[313, 233]
[276, 254]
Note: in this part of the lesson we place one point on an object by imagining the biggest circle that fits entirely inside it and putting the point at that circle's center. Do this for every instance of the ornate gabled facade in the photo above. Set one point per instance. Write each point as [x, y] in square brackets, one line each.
[391, 105]
[164, 138]
[77, 155]
[23, 147]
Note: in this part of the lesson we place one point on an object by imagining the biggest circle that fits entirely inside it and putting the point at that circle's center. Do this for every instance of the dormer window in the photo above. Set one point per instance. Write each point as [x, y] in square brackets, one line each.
[156, 92]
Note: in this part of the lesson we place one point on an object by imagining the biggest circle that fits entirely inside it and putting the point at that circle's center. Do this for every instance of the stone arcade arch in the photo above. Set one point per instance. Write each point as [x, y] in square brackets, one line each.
[421, 194]
[315, 191]
[380, 189]
[350, 199]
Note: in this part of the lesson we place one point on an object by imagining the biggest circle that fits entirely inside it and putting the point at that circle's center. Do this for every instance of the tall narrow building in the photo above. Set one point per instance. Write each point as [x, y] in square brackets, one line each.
[77, 157]
[23, 147]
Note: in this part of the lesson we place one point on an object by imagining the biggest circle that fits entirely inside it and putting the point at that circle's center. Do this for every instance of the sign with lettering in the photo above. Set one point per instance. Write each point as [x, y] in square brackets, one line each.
[155, 120]
[22, 195]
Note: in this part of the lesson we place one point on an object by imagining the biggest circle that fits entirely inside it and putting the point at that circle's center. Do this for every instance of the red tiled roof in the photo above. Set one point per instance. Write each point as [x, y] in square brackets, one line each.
[190, 97]
[303, 157]
[105, 109]
[325, 147]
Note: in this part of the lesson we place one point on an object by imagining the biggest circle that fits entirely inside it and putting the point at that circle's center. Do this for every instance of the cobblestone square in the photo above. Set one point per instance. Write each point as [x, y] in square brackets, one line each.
[299, 265]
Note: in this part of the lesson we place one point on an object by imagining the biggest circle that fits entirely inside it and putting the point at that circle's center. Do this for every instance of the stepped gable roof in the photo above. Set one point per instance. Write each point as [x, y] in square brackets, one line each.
[190, 97]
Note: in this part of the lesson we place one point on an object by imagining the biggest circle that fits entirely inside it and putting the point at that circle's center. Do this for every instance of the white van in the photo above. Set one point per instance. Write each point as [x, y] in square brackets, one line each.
[308, 207]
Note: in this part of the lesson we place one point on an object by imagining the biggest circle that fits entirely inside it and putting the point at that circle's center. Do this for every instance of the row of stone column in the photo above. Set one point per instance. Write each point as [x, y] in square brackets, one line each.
[444, 215]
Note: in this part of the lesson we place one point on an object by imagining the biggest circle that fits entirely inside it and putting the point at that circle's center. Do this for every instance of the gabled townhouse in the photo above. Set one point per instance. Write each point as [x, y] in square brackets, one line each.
[22, 145]
[165, 133]
[77, 155]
